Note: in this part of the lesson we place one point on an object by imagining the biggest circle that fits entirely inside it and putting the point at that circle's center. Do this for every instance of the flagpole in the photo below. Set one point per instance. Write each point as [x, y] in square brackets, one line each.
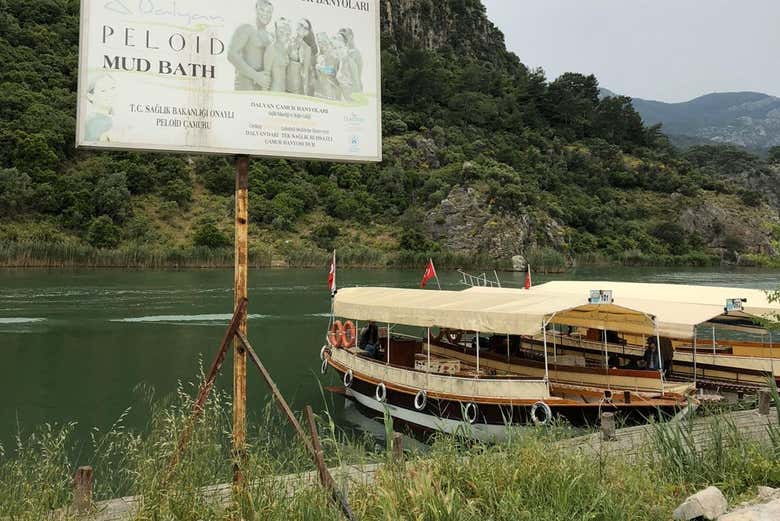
[436, 275]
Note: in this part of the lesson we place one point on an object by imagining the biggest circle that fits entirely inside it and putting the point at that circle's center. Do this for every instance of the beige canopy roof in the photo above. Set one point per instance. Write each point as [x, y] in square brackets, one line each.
[489, 310]
[677, 308]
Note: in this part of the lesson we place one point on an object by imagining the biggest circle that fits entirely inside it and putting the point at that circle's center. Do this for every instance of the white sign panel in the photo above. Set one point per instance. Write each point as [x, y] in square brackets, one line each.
[734, 304]
[283, 78]
[600, 296]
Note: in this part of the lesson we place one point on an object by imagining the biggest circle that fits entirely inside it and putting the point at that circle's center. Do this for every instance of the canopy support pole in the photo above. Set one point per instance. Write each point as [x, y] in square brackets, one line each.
[544, 335]
[713, 342]
[660, 360]
[429, 350]
[694, 358]
[606, 352]
[508, 361]
[477, 354]
[388, 344]
[555, 347]
[546, 368]
[357, 340]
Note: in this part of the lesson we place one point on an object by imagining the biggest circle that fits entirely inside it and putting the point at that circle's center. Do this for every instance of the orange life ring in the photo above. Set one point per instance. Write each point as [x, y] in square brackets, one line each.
[336, 334]
[349, 335]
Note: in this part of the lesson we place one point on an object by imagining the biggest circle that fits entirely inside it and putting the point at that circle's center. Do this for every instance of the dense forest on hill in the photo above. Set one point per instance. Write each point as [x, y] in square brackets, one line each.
[483, 159]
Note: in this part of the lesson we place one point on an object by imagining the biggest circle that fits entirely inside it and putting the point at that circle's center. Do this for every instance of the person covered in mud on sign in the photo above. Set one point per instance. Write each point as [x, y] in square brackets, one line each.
[248, 47]
[277, 56]
[327, 64]
[303, 54]
[355, 57]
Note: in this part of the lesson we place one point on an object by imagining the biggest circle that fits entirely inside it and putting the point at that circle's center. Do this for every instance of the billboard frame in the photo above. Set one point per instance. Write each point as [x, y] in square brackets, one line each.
[201, 150]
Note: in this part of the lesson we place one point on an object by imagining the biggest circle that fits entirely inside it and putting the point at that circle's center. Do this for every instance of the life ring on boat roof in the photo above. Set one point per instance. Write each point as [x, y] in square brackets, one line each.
[546, 413]
[381, 392]
[348, 378]
[470, 412]
[349, 334]
[336, 334]
[421, 400]
[324, 367]
[325, 349]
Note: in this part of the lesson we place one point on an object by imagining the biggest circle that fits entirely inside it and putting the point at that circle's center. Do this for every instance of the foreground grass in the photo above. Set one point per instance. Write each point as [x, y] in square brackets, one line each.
[527, 478]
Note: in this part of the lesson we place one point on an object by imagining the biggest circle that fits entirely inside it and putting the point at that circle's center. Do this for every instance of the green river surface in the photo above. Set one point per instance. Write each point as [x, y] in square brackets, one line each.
[74, 344]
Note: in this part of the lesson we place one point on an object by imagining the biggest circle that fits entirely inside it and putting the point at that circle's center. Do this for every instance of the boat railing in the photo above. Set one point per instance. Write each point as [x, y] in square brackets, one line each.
[458, 386]
[479, 281]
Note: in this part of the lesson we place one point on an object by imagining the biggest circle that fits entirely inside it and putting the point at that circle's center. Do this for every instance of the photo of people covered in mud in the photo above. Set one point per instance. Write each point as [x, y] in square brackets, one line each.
[280, 52]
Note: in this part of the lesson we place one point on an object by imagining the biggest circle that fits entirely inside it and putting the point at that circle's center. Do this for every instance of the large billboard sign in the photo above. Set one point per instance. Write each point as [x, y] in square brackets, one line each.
[282, 78]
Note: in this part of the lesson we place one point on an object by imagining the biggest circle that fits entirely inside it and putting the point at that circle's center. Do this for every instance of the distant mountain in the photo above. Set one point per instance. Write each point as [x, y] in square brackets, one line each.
[747, 119]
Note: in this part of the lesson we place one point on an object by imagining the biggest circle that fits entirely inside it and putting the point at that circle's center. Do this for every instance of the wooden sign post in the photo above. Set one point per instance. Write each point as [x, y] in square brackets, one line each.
[240, 293]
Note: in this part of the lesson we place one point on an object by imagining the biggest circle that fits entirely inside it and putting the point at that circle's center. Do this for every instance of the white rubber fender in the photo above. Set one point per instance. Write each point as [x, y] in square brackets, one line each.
[348, 378]
[325, 349]
[470, 412]
[324, 367]
[381, 392]
[545, 409]
[421, 400]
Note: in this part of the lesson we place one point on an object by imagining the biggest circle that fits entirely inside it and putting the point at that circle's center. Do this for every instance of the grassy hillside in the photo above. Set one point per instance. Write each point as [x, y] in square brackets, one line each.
[547, 165]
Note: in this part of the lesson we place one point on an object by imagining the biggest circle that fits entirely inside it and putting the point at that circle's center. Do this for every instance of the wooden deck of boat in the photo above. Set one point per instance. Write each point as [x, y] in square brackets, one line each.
[628, 442]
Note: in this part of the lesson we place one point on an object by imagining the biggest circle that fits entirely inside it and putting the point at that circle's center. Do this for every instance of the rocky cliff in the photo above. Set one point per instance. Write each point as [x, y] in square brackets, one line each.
[465, 222]
[458, 26]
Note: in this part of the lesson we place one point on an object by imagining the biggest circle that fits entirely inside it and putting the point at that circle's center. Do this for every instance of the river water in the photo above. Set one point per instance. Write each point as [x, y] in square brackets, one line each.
[74, 344]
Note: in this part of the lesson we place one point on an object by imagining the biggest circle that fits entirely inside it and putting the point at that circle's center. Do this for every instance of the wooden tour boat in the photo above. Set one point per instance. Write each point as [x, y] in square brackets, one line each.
[437, 370]
[708, 341]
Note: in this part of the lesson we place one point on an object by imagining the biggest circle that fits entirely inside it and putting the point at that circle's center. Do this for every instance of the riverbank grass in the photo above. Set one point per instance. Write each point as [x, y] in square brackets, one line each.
[527, 478]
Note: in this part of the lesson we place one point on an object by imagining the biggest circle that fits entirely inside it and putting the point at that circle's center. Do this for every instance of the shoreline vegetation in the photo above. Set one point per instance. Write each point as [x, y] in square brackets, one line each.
[542, 260]
[527, 477]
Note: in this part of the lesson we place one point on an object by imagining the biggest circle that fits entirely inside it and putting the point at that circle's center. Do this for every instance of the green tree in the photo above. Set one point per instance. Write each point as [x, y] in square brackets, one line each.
[179, 191]
[15, 191]
[325, 235]
[570, 102]
[673, 235]
[102, 233]
[208, 235]
[112, 197]
[618, 122]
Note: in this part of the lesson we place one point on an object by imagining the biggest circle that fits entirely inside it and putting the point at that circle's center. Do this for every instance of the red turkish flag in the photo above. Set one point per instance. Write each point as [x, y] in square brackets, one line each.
[430, 272]
[527, 284]
[332, 275]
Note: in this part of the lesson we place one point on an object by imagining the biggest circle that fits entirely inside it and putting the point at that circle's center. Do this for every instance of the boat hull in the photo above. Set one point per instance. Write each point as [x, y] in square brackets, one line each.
[488, 422]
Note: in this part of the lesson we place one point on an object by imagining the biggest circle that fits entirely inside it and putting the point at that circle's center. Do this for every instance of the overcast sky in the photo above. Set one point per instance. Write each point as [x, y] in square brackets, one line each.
[668, 50]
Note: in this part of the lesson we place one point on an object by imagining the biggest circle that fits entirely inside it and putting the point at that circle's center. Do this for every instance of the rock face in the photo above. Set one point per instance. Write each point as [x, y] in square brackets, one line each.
[464, 222]
[728, 226]
[708, 503]
[461, 26]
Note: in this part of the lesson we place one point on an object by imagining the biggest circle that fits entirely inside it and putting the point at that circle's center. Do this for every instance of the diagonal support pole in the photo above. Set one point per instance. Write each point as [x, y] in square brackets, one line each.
[312, 445]
[206, 387]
